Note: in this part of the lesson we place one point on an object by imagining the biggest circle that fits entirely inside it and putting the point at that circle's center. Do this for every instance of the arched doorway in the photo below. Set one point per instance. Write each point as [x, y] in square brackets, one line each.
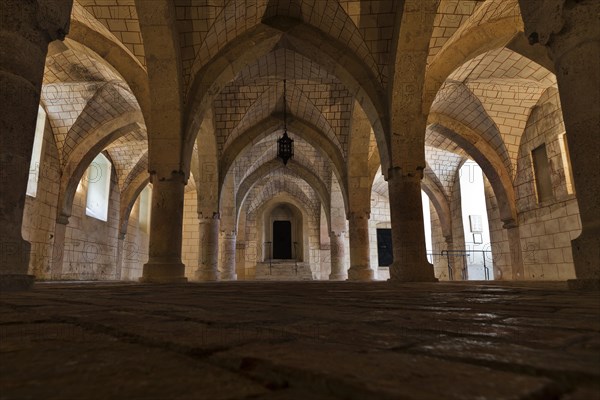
[284, 232]
[282, 240]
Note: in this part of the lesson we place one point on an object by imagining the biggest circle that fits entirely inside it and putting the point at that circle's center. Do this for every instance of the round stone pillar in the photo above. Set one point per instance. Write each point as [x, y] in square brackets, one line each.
[571, 32]
[227, 268]
[360, 252]
[338, 252]
[408, 232]
[166, 225]
[209, 249]
[517, 271]
[578, 77]
[119, 259]
[25, 31]
[58, 246]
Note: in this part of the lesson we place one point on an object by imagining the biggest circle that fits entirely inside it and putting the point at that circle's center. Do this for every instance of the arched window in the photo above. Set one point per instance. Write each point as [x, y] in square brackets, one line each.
[36, 154]
[98, 190]
[427, 226]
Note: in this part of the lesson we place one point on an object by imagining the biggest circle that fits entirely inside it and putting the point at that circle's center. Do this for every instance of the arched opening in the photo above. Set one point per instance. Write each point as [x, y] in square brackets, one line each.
[477, 256]
[427, 225]
[283, 231]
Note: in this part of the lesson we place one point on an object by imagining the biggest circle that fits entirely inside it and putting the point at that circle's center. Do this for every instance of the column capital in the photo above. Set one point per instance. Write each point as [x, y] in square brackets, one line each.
[449, 239]
[337, 235]
[174, 176]
[560, 26]
[509, 223]
[202, 217]
[228, 234]
[406, 174]
[358, 214]
[62, 219]
[54, 18]
[51, 18]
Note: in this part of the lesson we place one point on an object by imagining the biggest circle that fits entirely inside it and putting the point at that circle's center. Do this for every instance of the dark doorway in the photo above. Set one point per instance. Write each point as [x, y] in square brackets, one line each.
[282, 240]
[384, 247]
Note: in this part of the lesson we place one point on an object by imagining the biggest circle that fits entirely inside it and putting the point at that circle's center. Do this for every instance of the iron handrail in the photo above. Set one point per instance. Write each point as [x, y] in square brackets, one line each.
[465, 270]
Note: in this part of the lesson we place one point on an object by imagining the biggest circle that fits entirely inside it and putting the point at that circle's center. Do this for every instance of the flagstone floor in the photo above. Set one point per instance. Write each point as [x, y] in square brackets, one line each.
[300, 340]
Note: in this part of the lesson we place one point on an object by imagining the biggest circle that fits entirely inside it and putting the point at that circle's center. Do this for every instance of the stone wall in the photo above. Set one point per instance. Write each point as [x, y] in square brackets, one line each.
[90, 251]
[91, 245]
[546, 228]
[135, 247]
[39, 215]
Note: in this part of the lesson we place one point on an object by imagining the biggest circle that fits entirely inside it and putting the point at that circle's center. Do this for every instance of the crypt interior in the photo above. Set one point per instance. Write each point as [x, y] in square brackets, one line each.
[272, 199]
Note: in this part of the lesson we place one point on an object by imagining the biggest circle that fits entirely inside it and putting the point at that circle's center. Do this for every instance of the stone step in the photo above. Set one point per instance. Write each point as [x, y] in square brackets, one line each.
[283, 271]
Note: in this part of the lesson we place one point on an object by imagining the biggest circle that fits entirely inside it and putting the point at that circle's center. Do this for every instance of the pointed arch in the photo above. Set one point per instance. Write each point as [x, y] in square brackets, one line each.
[306, 40]
[303, 129]
[489, 161]
[84, 154]
[299, 169]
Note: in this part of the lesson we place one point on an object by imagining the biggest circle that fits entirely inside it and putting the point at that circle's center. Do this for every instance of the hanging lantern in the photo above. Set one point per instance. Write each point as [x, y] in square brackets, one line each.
[285, 148]
[285, 145]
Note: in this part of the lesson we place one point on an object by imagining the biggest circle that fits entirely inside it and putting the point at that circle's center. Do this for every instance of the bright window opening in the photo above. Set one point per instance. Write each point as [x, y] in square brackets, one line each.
[98, 191]
[144, 209]
[36, 154]
[566, 160]
[427, 224]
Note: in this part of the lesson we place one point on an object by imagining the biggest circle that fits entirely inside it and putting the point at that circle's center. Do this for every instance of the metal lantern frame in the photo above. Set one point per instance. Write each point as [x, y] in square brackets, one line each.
[285, 144]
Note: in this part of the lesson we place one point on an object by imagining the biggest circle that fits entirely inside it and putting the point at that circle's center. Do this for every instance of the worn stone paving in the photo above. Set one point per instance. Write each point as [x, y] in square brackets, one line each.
[300, 340]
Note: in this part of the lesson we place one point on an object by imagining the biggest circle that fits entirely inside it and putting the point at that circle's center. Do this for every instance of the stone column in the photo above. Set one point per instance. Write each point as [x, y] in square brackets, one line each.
[449, 240]
[119, 263]
[227, 268]
[166, 225]
[58, 246]
[408, 232]
[209, 248]
[338, 252]
[516, 251]
[26, 28]
[360, 252]
[240, 260]
[571, 32]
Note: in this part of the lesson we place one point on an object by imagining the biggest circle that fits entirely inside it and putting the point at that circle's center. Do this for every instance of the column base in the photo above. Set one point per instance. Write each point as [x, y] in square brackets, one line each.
[361, 274]
[206, 275]
[16, 282]
[586, 255]
[584, 284]
[163, 273]
[404, 273]
[228, 277]
[338, 277]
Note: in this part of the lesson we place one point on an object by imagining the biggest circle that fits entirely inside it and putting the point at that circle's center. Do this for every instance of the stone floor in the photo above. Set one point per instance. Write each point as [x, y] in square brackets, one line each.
[300, 340]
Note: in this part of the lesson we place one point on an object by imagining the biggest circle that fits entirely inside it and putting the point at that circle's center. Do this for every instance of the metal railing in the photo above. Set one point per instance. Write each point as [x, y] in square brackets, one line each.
[271, 257]
[451, 256]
